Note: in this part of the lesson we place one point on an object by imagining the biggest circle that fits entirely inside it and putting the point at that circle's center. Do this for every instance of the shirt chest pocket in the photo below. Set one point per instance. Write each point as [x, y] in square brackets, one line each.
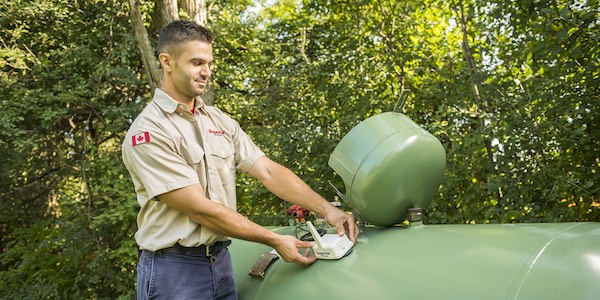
[221, 150]
[224, 160]
[193, 153]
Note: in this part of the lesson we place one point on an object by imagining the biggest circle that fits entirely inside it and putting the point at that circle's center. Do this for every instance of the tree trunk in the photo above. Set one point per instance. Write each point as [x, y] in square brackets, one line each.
[195, 10]
[166, 12]
[141, 35]
[474, 78]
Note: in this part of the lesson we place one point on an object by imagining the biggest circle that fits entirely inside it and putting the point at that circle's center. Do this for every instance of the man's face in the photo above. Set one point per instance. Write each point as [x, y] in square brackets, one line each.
[191, 69]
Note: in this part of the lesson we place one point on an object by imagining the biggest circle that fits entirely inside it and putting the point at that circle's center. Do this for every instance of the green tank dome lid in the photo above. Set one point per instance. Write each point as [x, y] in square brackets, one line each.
[388, 164]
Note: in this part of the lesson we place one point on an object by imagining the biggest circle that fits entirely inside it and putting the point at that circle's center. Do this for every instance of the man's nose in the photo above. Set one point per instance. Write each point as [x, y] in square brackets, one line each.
[205, 71]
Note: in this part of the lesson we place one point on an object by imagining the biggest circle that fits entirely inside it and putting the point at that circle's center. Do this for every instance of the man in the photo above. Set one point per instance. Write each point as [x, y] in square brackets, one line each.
[182, 156]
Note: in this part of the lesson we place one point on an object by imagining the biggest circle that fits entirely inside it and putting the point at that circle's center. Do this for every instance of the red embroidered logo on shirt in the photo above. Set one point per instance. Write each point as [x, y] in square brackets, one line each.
[216, 132]
[140, 138]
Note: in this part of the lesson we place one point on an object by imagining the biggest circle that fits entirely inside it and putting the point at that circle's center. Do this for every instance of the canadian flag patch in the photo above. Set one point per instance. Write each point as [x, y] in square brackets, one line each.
[140, 138]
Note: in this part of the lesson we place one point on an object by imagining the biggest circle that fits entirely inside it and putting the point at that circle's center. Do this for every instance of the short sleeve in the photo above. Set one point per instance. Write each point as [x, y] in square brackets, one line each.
[154, 163]
[246, 152]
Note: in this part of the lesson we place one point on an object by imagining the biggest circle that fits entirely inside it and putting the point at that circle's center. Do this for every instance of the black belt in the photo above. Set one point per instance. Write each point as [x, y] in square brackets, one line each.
[205, 250]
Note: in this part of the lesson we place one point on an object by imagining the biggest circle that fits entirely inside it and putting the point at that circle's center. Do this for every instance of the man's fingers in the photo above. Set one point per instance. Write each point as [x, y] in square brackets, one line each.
[296, 251]
[340, 229]
[352, 232]
[306, 260]
[305, 256]
[304, 244]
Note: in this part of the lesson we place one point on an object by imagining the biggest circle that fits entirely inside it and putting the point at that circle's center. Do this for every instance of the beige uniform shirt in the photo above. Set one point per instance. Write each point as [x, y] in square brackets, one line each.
[167, 148]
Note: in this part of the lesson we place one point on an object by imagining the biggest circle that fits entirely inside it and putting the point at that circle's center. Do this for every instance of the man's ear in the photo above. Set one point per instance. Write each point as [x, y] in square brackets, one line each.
[165, 61]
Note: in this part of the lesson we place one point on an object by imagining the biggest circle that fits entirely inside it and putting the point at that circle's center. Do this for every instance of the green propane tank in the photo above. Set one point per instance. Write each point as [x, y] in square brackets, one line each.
[550, 261]
[388, 164]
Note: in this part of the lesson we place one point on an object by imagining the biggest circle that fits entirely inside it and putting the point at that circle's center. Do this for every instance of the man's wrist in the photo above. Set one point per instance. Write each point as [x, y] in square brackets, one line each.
[272, 239]
[330, 211]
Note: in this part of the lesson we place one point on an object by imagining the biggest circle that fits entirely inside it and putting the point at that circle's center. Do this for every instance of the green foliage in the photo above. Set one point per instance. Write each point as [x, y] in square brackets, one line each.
[311, 73]
[69, 73]
[520, 124]
[539, 109]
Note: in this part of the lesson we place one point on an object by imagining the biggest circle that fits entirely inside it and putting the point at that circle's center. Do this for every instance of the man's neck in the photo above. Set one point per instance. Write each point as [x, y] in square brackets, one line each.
[190, 102]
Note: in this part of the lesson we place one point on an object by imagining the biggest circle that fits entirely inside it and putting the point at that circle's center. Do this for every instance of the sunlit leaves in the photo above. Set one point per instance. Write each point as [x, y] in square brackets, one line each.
[297, 75]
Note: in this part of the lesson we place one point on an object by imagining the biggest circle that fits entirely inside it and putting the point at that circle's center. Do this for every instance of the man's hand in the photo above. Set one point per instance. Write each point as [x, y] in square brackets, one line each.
[342, 222]
[289, 187]
[288, 247]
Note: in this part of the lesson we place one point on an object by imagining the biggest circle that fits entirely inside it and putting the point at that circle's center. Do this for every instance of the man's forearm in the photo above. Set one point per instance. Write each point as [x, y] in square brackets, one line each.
[288, 186]
[219, 218]
[216, 216]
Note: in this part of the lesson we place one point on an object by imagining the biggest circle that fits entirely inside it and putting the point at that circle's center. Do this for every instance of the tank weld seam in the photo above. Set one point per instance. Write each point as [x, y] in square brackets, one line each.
[539, 254]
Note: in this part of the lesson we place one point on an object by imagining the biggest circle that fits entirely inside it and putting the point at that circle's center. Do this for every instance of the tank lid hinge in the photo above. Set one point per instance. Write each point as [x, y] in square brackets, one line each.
[415, 216]
[262, 263]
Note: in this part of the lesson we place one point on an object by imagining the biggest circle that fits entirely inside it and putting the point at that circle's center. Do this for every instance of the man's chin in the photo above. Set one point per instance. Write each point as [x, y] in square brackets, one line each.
[201, 90]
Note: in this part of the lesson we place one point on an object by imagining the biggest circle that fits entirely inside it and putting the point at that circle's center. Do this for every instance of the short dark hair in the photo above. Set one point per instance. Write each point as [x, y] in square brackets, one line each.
[173, 36]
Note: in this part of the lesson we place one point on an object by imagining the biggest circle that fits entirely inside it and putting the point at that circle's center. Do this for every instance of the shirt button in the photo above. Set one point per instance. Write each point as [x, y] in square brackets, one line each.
[181, 114]
[196, 157]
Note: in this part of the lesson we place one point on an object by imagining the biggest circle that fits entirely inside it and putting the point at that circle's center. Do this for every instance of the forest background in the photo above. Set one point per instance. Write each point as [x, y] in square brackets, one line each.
[511, 89]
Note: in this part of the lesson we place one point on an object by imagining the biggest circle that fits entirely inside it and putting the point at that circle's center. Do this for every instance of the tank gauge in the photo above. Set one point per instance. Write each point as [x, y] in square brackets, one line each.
[329, 246]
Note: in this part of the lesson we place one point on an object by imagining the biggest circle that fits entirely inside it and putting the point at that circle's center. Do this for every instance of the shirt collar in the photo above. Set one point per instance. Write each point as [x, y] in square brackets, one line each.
[169, 105]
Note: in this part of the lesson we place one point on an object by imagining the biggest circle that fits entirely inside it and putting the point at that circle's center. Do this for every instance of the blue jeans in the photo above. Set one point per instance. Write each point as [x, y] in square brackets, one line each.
[179, 276]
